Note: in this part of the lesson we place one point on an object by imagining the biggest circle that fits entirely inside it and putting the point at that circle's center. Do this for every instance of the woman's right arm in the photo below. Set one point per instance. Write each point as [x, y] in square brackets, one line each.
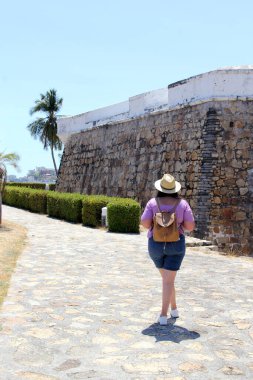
[189, 226]
[188, 223]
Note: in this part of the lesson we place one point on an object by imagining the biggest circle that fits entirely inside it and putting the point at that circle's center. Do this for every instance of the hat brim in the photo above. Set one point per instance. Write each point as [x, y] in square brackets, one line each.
[172, 191]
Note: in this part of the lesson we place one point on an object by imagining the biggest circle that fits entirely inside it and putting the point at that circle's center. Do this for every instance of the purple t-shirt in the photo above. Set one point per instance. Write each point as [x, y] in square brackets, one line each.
[183, 213]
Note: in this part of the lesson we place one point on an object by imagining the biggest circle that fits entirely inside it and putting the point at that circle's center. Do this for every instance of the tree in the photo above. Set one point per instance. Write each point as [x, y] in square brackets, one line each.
[45, 129]
[6, 159]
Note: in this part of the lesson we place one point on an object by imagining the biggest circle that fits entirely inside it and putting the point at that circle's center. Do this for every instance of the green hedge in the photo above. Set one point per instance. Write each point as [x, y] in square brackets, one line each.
[31, 185]
[25, 198]
[92, 208]
[123, 215]
[65, 206]
[15, 196]
[52, 186]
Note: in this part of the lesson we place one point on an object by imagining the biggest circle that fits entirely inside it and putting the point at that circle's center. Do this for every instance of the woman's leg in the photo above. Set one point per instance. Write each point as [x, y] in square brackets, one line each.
[168, 290]
[173, 301]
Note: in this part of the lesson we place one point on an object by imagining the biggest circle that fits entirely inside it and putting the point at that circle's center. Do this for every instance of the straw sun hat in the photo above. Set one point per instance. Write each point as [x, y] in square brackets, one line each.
[167, 184]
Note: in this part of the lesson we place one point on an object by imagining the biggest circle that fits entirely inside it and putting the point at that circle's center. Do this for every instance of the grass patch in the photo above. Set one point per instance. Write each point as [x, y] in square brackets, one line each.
[12, 242]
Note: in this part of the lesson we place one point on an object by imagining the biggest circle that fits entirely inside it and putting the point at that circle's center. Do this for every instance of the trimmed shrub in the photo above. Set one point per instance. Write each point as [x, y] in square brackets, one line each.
[15, 196]
[52, 186]
[38, 201]
[92, 208]
[31, 185]
[25, 198]
[123, 215]
[67, 206]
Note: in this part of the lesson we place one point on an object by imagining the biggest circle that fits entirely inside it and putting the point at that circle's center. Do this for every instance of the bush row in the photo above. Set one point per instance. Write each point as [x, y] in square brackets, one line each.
[28, 199]
[123, 214]
[32, 185]
[65, 206]
[91, 211]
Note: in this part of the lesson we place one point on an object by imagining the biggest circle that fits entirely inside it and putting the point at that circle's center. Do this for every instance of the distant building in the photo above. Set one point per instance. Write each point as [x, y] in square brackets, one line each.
[12, 178]
[39, 174]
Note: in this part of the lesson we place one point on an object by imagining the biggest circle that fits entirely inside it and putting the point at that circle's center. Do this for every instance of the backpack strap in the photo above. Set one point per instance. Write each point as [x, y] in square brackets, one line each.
[158, 205]
[176, 204]
[174, 208]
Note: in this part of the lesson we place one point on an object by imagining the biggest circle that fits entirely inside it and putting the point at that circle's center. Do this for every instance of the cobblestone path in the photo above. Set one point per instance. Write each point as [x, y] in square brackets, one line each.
[83, 305]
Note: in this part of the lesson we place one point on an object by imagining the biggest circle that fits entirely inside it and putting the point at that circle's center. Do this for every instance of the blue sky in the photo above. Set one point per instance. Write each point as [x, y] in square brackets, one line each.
[97, 53]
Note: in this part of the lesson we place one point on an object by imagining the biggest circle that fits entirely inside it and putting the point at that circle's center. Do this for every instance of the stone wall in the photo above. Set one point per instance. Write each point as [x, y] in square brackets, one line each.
[208, 148]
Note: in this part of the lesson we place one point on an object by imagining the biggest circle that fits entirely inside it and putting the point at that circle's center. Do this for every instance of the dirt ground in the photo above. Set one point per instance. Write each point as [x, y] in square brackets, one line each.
[12, 242]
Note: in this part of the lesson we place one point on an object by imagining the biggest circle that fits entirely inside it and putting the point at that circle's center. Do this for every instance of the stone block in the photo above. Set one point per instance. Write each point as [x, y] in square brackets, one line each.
[216, 200]
[241, 182]
[238, 124]
[236, 164]
[240, 215]
[222, 240]
[246, 250]
[227, 213]
[194, 156]
[243, 191]
[246, 232]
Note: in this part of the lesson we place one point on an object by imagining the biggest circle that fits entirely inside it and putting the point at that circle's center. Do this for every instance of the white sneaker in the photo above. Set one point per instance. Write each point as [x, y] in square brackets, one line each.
[174, 313]
[162, 320]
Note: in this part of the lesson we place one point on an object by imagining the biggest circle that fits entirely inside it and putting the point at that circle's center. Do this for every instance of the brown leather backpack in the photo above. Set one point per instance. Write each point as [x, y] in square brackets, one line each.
[165, 225]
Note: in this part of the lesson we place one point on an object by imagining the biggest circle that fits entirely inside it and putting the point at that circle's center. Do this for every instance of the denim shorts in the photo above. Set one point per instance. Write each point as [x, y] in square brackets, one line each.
[167, 255]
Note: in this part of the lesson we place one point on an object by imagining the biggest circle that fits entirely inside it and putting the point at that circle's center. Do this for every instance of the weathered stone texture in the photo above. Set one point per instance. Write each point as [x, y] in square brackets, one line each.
[208, 147]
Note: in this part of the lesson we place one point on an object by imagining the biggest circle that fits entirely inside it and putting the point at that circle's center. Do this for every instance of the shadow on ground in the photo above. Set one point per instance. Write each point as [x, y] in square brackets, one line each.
[170, 332]
[4, 228]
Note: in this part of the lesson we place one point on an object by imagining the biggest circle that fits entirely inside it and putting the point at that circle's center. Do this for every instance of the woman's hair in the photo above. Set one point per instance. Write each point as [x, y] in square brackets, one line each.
[161, 195]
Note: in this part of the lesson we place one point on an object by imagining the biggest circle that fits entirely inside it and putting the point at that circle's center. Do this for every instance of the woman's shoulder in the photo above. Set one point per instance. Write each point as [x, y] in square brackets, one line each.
[151, 202]
[183, 203]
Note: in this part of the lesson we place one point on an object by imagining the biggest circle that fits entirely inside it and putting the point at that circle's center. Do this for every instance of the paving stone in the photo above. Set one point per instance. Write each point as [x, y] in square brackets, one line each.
[190, 367]
[68, 364]
[147, 367]
[35, 376]
[87, 375]
[230, 370]
[226, 354]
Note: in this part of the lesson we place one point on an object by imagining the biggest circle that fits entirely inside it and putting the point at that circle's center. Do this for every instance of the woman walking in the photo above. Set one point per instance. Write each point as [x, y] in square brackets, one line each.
[168, 257]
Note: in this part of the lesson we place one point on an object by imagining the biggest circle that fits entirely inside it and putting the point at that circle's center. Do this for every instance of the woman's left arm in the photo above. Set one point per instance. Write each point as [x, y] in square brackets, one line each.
[146, 223]
[147, 216]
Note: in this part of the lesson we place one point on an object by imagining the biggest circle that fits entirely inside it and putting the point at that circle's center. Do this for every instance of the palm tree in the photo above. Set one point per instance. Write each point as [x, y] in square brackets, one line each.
[6, 159]
[46, 128]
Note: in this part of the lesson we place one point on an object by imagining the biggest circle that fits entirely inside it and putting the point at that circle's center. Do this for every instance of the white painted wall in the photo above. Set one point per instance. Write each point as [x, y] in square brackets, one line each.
[222, 84]
[148, 102]
[75, 124]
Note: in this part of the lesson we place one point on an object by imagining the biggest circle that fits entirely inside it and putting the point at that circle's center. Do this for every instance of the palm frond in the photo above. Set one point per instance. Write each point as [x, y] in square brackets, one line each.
[36, 127]
[9, 159]
[49, 103]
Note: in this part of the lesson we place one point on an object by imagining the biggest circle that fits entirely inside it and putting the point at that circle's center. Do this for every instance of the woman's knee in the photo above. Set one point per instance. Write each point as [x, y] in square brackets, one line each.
[168, 282]
[168, 277]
